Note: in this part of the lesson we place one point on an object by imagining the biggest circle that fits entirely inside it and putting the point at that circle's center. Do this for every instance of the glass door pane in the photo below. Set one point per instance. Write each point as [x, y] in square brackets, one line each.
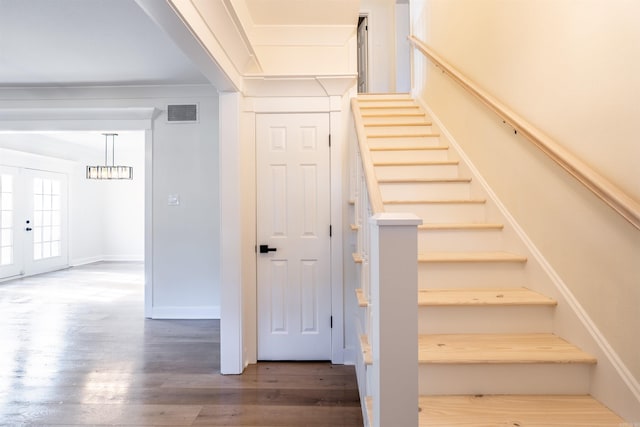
[10, 259]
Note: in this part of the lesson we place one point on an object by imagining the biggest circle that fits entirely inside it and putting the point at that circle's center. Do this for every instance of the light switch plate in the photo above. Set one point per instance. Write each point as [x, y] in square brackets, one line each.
[173, 200]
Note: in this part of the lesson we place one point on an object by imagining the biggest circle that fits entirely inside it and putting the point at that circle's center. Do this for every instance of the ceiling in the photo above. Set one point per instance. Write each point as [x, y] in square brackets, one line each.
[87, 43]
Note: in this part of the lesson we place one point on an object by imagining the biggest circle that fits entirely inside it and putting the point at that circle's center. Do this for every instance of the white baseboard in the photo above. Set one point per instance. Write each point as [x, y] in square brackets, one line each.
[200, 312]
[123, 258]
[112, 258]
[84, 261]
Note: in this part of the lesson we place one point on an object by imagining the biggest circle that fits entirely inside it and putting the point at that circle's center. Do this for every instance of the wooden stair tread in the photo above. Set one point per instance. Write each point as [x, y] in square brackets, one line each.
[365, 347]
[381, 106]
[435, 202]
[404, 135]
[482, 297]
[417, 163]
[471, 257]
[362, 299]
[409, 148]
[422, 180]
[357, 258]
[515, 410]
[461, 226]
[355, 227]
[397, 124]
[498, 349]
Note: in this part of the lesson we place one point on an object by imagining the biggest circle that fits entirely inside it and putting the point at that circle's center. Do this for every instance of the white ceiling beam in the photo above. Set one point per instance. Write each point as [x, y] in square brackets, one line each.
[211, 60]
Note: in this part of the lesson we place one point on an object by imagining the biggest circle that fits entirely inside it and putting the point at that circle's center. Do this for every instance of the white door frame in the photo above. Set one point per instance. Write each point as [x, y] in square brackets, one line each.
[368, 52]
[238, 219]
[98, 119]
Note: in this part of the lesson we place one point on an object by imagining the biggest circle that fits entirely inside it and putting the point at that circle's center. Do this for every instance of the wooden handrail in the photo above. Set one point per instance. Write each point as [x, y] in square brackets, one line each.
[375, 198]
[604, 189]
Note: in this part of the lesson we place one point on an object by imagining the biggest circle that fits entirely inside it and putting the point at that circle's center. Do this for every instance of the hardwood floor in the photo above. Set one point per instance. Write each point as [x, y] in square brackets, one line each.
[75, 349]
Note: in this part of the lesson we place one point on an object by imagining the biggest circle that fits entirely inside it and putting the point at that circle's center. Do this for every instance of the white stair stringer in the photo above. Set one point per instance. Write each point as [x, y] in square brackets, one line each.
[497, 379]
[461, 238]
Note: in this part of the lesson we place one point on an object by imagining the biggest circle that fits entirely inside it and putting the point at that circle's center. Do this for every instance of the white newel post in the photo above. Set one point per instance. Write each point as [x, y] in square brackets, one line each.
[394, 305]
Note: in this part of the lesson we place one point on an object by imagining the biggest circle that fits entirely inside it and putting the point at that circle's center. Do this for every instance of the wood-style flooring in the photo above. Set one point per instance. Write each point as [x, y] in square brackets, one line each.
[75, 349]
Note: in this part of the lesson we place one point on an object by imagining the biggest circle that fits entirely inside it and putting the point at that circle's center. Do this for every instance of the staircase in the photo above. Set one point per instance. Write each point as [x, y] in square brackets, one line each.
[487, 352]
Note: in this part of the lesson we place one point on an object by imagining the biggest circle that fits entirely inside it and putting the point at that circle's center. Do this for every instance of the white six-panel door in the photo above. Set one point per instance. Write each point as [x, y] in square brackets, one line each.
[293, 217]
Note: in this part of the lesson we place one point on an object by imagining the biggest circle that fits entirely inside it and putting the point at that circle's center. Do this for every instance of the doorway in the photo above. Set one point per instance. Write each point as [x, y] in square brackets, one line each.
[33, 221]
[293, 235]
[72, 220]
[363, 53]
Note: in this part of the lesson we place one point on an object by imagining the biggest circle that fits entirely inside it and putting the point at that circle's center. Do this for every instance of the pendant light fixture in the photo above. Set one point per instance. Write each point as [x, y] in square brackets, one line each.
[113, 171]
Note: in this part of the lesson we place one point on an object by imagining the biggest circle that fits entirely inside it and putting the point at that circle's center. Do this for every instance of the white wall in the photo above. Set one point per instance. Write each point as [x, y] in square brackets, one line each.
[185, 256]
[123, 203]
[572, 69]
[403, 48]
[382, 44]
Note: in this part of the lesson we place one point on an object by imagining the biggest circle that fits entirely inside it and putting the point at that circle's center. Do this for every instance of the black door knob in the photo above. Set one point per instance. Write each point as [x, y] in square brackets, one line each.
[28, 229]
[265, 249]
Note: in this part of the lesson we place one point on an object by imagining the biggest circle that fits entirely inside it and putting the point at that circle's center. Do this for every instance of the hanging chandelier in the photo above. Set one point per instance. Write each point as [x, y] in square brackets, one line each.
[113, 171]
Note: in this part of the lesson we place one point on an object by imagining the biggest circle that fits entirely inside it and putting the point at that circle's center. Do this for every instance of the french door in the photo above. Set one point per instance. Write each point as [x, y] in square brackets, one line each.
[33, 221]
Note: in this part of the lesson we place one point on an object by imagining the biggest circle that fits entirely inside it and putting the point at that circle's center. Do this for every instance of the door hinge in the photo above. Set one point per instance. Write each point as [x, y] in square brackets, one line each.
[330, 231]
[329, 140]
[331, 322]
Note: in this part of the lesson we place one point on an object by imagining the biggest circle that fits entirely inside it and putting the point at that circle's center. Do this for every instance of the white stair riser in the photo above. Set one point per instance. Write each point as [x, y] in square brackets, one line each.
[394, 120]
[425, 190]
[364, 375]
[442, 212]
[410, 155]
[459, 240]
[417, 171]
[401, 114]
[424, 141]
[470, 275]
[557, 378]
[477, 320]
[387, 103]
[405, 142]
[395, 130]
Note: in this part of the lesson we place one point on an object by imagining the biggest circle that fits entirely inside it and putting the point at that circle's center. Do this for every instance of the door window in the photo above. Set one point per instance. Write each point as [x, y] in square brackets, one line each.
[46, 218]
[6, 220]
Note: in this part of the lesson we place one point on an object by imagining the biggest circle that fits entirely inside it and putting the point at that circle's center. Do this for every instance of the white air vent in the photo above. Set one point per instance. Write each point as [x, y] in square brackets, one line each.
[186, 113]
